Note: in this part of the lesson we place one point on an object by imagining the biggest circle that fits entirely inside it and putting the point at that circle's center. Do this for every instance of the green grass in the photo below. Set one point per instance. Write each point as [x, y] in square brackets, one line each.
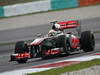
[74, 67]
[10, 2]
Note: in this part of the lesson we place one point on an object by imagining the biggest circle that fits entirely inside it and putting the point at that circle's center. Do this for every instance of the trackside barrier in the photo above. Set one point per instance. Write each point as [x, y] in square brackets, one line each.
[59, 4]
[1, 12]
[25, 8]
[88, 2]
[45, 5]
[31, 7]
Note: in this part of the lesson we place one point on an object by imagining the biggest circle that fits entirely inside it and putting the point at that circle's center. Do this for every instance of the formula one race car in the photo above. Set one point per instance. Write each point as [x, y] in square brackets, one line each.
[45, 46]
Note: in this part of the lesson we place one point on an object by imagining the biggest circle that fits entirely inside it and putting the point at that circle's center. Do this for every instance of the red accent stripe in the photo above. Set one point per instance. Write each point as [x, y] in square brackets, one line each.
[59, 64]
[97, 54]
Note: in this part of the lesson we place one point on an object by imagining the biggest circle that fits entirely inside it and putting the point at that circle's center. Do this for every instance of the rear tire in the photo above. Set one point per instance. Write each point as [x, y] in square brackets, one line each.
[62, 42]
[87, 41]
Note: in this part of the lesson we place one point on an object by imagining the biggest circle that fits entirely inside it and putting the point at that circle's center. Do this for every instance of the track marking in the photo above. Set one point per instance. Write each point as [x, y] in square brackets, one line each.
[48, 66]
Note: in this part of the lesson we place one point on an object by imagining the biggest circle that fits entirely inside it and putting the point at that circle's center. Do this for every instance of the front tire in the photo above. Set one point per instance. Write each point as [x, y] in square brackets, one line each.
[21, 47]
[22, 60]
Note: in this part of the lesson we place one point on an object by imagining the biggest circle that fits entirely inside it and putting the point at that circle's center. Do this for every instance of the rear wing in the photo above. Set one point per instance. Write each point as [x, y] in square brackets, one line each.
[69, 24]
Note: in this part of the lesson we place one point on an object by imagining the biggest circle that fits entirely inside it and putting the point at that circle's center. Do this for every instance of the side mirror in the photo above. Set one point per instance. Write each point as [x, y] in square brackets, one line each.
[38, 35]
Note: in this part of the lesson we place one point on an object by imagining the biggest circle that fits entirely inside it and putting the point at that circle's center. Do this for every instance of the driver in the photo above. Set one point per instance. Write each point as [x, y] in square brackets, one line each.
[56, 30]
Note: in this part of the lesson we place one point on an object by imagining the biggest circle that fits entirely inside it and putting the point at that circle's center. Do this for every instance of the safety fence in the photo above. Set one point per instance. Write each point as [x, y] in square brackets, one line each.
[59, 4]
[45, 5]
[88, 2]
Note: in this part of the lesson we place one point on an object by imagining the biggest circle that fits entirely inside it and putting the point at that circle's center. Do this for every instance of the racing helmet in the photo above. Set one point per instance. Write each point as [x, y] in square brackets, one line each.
[52, 32]
[56, 26]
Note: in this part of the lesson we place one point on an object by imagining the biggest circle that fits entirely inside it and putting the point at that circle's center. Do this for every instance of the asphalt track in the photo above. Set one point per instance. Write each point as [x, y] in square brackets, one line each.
[30, 32]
